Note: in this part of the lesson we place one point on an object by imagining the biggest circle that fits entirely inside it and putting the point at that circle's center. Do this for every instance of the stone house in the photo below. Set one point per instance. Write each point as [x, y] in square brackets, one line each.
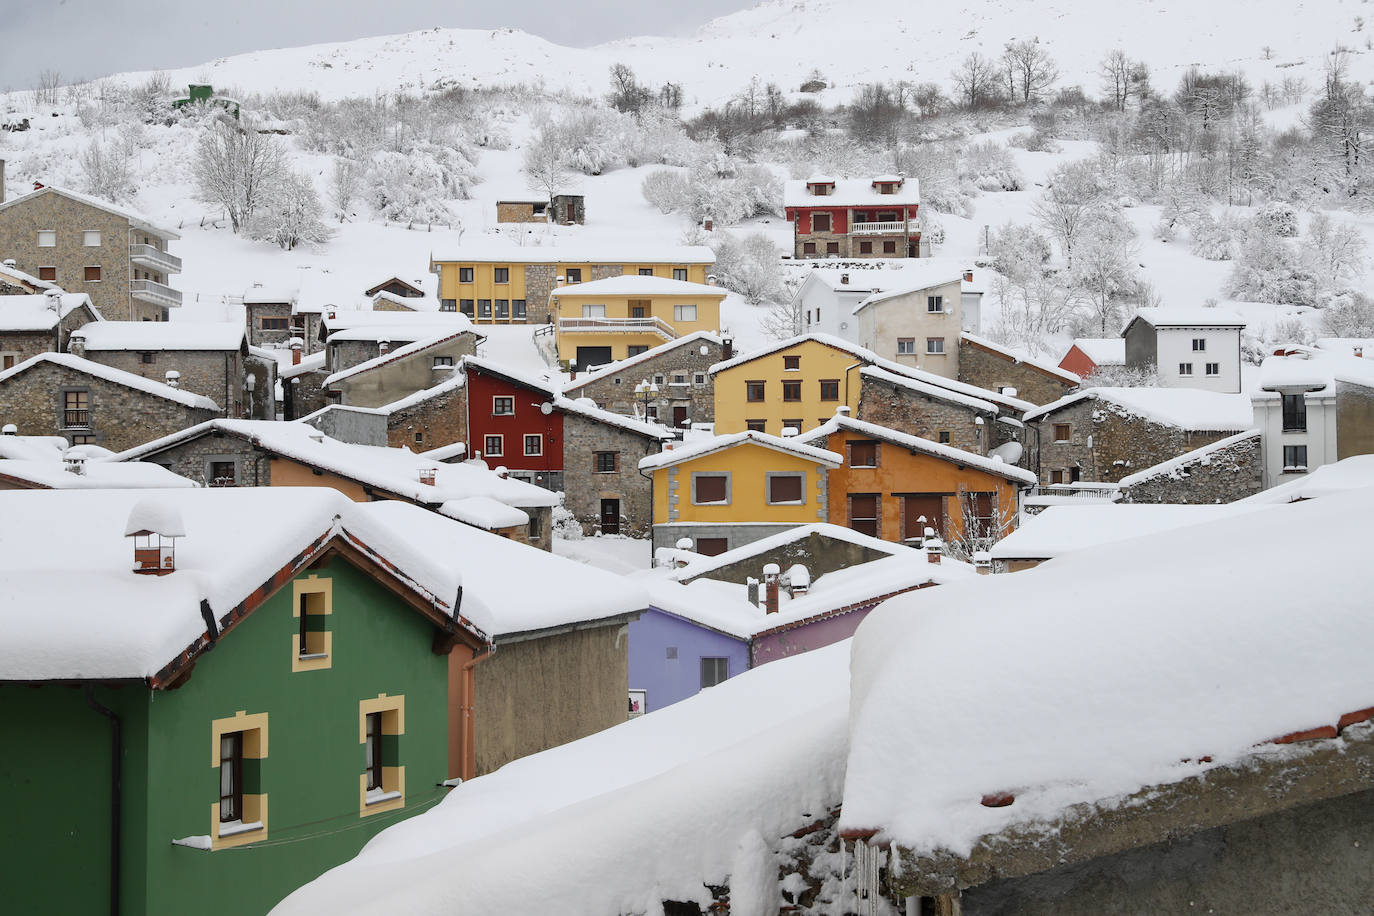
[963, 417]
[351, 338]
[997, 368]
[854, 217]
[601, 482]
[1314, 407]
[1222, 472]
[429, 419]
[681, 371]
[273, 315]
[86, 245]
[355, 425]
[398, 373]
[1187, 347]
[396, 287]
[1104, 434]
[209, 358]
[40, 323]
[85, 402]
[302, 383]
[522, 211]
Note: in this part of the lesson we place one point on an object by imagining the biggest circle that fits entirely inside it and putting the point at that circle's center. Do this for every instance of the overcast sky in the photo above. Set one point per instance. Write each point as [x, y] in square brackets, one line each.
[93, 38]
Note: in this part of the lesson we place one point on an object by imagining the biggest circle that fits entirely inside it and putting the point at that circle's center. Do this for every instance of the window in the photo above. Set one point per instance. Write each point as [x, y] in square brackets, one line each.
[1063, 432]
[793, 424]
[753, 391]
[8, 360]
[943, 437]
[1294, 459]
[756, 426]
[863, 454]
[465, 306]
[865, 248]
[239, 745]
[465, 275]
[633, 350]
[906, 346]
[1213, 369]
[502, 406]
[684, 313]
[419, 437]
[1199, 344]
[501, 275]
[47, 238]
[658, 378]
[710, 488]
[534, 444]
[863, 513]
[274, 324]
[535, 529]
[1185, 368]
[573, 275]
[791, 391]
[646, 271]
[448, 305]
[712, 547]
[231, 777]
[935, 303]
[1057, 476]
[222, 474]
[76, 409]
[808, 247]
[820, 222]
[889, 247]
[517, 309]
[483, 308]
[714, 671]
[830, 389]
[47, 273]
[381, 725]
[313, 641]
[791, 363]
[935, 346]
[593, 311]
[698, 379]
[88, 439]
[147, 358]
[832, 247]
[91, 238]
[679, 378]
[680, 273]
[605, 462]
[1294, 413]
[502, 308]
[494, 446]
[443, 362]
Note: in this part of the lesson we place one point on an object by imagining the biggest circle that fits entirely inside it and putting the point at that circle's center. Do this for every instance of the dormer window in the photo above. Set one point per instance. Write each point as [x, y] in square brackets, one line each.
[821, 187]
[888, 184]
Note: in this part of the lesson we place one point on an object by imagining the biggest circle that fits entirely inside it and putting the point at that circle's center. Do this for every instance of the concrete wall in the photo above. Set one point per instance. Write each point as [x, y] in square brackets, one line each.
[883, 323]
[993, 371]
[1354, 420]
[399, 378]
[799, 639]
[540, 693]
[1175, 345]
[666, 653]
[356, 426]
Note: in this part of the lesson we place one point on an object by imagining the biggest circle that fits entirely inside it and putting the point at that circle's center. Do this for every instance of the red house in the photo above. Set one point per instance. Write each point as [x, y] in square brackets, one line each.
[1088, 354]
[512, 423]
[854, 217]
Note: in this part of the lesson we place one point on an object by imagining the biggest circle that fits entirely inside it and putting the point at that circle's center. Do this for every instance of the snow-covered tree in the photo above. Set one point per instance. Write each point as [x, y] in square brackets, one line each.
[293, 214]
[749, 265]
[1349, 314]
[343, 186]
[107, 172]
[237, 168]
[1267, 269]
[408, 188]
[1335, 251]
[1103, 273]
[1030, 70]
[1278, 219]
[546, 168]
[1074, 199]
[665, 189]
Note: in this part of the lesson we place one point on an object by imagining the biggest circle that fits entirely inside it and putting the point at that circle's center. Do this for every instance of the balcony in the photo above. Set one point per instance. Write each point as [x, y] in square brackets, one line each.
[617, 326]
[154, 258]
[893, 228]
[154, 293]
[76, 419]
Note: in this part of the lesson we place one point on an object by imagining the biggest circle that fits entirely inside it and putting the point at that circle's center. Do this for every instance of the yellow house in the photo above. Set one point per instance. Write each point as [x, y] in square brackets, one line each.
[512, 284]
[613, 319]
[727, 491]
[797, 383]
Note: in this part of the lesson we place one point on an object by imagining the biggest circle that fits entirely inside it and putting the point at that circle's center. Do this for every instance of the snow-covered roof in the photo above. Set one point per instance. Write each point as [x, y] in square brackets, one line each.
[97, 475]
[1162, 678]
[445, 452]
[1183, 317]
[1311, 369]
[788, 446]
[1353, 473]
[311, 363]
[483, 512]
[33, 448]
[359, 325]
[693, 339]
[705, 565]
[394, 470]
[926, 388]
[861, 280]
[117, 624]
[410, 303]
[391, 356]
[135, 219]
[162, 335]
[1349, 346]
[990, 464]
[117, 376]
[1103, 351]
[919, 275]
[14, 273]
[577, 254]
[850, 192]
[635, 285]
[722, 764]
[1065, 529]
[31, 312]
[454, 381]
[1186, 408]
[1019, 356]
[521, 588]
[1174, 466]
[260, 294]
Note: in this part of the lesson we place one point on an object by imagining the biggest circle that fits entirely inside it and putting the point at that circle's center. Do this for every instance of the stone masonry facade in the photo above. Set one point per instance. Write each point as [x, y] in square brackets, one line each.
[1216, 475]
[615, 391]
[540, 280]
[900, 408]
[519, 212]
[1106, 444]
[215, 374]
[193, 460]
[18, 346]
[436, 421]
[993, 371]
[117, 417]
[585, 487]
[304, 394]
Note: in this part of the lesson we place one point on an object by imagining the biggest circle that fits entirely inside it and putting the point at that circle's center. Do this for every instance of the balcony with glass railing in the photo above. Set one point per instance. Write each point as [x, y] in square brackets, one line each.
[154, 258]
[617, 326]
[154, 293]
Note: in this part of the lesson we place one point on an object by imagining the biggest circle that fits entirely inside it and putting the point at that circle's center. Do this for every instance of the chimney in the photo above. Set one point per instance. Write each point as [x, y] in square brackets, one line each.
[427, 475]
[709, 225]
[155, 526]
[932, 546]
[968, 275]
[982, 562]
[842, 410]
[9, 429]
[559, 280]
[770, 588]
[38, 185]
[173, 378]
[75, 462]
[844, 279]
[53, 299]
[297, 345]
[710, 279]
[1359, 352]
[798, 579]
[727, 349]
[752, 586]
[383, 346]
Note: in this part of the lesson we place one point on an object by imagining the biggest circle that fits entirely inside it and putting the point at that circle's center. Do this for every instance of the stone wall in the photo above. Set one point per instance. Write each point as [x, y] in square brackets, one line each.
[304, 394]
[539, 283]
[1219, 475]
[215, 374]
[345, 354]
[259, 336]
[192, 459]
[20, 345]
[399, 377]
[735, 535]
[993, 371]
[817, 552]
[536, 694]
[19, 227]
[616, 391]
[585, 487]
[900, 408]
[119, 417]
[261, 402]
[433, 422]
[518, 213]
[1354, 420]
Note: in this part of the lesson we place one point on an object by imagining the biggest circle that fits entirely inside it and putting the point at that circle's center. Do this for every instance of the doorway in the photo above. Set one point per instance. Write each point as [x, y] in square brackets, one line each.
[679, 416]
[917, 505]
[610, 516]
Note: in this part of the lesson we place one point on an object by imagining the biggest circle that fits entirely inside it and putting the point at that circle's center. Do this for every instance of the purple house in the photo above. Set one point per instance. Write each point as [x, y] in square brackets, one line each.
[673, 655]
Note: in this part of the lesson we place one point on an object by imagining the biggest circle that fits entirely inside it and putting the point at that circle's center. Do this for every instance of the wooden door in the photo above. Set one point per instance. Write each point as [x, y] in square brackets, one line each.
[679, 415]
[916, 505]
[610, 516]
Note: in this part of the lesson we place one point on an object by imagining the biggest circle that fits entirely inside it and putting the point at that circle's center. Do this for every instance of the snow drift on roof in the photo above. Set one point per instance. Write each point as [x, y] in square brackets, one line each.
[133, 217]
[989, 464]
[162, 335]
[117, 376]
[1185, 408]
[1353, 473]
[31, 312]
[577, 254]
[1314, 370]
[97, 475]
[921, 274]
[851, 192]
[483, 512]
[1104, 351]
[418, 346]
[1182, 317]
[155, 515]
[635, 285]
[1065, 528]
[614, 368]
[790, 446]
[800, 532]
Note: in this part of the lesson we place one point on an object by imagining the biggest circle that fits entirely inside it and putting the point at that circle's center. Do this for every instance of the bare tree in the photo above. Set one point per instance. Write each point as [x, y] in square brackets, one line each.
[343, 186]
[627, 94]
[237, 168]
[546, 168]
[1115, 70]
[1031, 70]
[45, 93]
[107, 171]
[1073, 199]
[976, 81]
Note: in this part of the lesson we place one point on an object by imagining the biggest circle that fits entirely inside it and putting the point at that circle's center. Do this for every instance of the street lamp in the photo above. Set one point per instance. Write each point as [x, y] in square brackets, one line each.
[648, 391]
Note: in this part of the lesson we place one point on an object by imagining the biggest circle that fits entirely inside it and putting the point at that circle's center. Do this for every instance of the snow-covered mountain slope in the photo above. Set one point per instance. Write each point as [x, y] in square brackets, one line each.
[782, 41]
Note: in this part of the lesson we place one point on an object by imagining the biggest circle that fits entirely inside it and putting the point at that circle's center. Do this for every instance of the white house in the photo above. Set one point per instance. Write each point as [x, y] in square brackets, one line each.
[1314, 408]
[1190, 347]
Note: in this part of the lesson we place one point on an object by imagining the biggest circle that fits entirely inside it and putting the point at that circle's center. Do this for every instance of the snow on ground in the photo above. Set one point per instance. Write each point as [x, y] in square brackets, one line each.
[614, 823]
[613, 553]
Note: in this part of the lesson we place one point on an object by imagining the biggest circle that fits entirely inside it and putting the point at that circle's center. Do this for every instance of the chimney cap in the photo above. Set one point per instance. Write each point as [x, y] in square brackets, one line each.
[685, 544]
[155, 515]
[9, 429]
[771, 569]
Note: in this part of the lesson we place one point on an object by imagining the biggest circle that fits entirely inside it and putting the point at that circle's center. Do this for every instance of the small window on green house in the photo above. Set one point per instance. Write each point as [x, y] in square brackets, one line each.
[382, 784]
[312, 644]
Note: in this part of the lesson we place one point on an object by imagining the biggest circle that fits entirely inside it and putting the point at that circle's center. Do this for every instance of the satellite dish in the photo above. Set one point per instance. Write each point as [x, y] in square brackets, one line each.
[546, 408]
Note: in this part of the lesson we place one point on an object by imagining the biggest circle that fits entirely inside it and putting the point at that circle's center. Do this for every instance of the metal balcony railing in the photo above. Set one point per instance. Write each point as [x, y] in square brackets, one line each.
[76, 419]
[887, 228]
[618, 326]
[155, 293]
[156, 258]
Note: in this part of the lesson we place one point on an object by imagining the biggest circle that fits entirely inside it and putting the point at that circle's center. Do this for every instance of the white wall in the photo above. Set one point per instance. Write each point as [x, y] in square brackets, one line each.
[1175, 345]
[1320, 436]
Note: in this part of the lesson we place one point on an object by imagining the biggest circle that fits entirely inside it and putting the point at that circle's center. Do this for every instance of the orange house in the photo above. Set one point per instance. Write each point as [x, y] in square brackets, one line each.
[891, 481]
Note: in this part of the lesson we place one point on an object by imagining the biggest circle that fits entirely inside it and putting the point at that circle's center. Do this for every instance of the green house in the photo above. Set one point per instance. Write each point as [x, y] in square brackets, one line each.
[200, 94]
[214, 695]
